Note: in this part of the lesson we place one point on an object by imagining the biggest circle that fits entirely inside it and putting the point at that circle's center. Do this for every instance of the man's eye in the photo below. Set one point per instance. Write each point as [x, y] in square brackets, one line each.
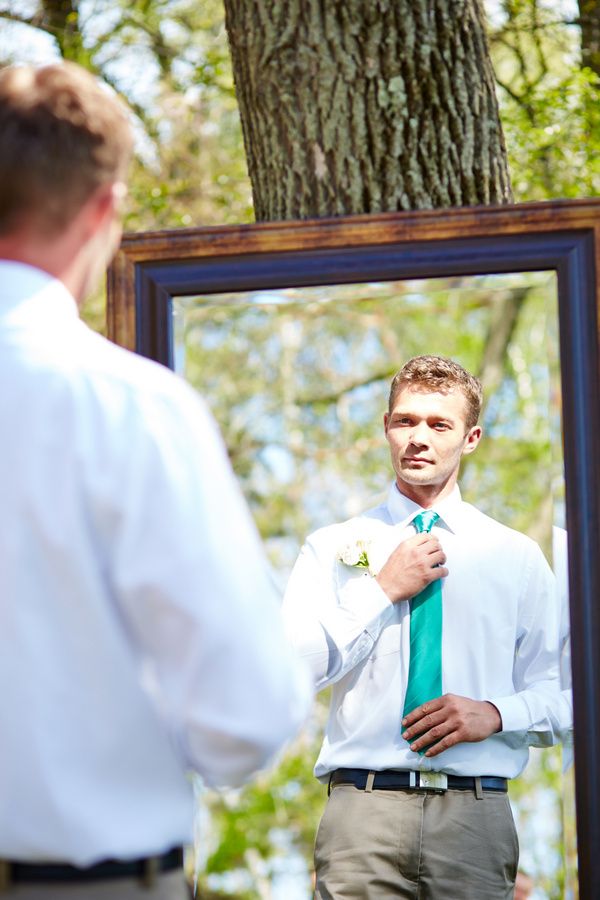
[440, 426]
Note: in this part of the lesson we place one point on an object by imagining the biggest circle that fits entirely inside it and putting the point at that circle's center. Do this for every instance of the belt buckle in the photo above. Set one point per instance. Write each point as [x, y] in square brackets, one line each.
[433, 781]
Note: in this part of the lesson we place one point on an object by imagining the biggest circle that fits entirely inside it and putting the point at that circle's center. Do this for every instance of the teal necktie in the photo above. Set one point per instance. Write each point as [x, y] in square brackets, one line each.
[425, 664]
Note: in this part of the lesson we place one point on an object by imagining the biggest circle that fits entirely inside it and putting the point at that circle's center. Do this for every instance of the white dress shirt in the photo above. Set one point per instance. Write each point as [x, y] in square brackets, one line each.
[500, 639]
[139, 634]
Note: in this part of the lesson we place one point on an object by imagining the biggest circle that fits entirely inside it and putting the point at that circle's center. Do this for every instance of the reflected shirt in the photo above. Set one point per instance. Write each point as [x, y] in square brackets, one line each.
[140, 635]
[499, 642]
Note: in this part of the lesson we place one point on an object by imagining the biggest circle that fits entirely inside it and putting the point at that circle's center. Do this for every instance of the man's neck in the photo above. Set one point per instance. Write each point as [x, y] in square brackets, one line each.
[75, 254]
[65, 256]
[50, 255]
[426, 495]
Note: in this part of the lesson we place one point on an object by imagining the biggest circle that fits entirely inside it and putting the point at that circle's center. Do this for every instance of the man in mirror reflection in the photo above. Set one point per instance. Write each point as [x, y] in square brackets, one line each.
[139, 634]
[437, 629]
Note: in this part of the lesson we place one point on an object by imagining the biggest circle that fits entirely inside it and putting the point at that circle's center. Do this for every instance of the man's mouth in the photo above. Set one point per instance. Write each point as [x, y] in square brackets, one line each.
[416, 459]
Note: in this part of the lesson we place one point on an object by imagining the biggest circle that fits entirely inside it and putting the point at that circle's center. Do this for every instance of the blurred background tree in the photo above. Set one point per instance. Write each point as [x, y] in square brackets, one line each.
[170, 61]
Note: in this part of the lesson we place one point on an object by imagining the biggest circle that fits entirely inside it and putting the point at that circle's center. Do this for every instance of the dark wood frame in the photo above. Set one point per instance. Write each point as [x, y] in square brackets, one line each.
[563, 236]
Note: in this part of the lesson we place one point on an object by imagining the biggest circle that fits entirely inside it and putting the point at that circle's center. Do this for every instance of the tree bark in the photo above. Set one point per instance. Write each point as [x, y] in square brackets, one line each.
[350, 106]
[589, 20]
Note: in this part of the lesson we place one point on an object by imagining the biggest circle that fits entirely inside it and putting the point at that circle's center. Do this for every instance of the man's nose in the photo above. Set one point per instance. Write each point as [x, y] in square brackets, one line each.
[419, 434]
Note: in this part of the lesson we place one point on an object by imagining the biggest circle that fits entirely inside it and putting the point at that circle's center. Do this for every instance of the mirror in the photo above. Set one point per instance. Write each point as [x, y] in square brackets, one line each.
[196, 299]
[297, 379]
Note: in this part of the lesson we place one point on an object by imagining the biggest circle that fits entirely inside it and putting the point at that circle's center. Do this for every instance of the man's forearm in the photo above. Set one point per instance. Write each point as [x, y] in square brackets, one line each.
[335, 630]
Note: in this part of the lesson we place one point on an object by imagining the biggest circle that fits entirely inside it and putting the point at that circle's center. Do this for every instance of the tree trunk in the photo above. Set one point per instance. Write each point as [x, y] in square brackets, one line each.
[589, 19]
[350, 106]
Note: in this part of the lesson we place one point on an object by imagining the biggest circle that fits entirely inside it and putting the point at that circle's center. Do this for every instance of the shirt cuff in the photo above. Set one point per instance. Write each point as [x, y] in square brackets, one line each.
[514, 713]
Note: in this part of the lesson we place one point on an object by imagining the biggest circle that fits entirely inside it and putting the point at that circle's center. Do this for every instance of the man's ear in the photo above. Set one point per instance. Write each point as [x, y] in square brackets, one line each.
[102, 206]
[105, 202]
[472, 439]
[386, 419]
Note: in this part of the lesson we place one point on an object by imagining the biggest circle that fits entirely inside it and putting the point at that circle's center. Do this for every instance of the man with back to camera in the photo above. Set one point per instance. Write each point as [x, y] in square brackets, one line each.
[438, 629]
[139, 635]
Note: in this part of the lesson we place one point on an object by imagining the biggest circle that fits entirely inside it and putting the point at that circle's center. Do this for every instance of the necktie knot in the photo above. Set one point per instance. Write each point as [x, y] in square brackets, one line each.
[424, 521]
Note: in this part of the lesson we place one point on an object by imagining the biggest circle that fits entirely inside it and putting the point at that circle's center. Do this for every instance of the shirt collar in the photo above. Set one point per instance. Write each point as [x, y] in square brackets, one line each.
[29, 295]
[402, 510]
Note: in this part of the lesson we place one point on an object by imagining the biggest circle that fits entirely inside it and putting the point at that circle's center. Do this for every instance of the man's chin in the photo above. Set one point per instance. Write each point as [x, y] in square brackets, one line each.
[417, 476]
[417, 470]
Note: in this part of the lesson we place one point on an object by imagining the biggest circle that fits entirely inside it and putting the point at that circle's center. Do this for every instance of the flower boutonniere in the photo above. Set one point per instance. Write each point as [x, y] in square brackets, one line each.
[356, 554]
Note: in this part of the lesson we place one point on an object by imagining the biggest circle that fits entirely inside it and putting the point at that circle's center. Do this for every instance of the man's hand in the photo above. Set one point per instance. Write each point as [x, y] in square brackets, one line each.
[413, 565]
[450, 720]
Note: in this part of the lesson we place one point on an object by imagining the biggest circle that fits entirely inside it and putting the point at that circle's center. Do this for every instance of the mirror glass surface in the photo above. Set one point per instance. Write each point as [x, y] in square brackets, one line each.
[298, 379]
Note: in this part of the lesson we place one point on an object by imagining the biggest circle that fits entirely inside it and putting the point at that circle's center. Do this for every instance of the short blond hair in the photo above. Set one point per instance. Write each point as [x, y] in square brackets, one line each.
[438, 373]
[62, 136]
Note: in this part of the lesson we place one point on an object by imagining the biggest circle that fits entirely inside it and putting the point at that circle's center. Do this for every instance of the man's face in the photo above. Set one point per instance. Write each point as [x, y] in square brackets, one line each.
[428, 436]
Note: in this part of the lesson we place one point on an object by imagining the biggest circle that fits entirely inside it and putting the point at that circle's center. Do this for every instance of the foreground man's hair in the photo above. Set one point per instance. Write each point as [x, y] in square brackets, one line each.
[62, 136]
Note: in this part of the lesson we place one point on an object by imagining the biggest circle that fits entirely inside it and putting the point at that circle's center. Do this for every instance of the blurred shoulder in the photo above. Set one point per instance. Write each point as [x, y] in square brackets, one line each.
[126, 384]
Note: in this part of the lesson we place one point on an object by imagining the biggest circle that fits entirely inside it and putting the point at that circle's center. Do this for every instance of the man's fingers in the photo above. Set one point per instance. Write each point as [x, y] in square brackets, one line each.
[438, 738]
[419, 539]
[433, 741]
[425, 541]
[433, 547]
[424, 710]
[448, 741]
[443, 734]
[425, 723]
[413, 565]
[431, 544]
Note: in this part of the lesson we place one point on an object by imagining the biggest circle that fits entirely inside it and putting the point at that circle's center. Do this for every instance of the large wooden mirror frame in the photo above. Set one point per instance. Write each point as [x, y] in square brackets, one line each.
[564, 236]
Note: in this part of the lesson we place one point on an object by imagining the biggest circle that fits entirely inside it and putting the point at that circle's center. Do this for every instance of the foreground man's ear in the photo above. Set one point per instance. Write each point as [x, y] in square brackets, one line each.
[472, 440]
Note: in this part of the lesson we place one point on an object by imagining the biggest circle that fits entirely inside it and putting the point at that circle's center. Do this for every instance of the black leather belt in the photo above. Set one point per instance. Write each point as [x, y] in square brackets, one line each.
[146, 869]
[398, 780]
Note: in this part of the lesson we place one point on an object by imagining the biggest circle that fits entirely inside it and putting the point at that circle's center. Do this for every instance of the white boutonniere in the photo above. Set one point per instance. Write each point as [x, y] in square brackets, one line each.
[356, 554]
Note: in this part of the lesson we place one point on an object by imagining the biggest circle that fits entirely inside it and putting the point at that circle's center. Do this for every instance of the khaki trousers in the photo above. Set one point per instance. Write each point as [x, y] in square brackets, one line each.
[417, 845]
[170, 886]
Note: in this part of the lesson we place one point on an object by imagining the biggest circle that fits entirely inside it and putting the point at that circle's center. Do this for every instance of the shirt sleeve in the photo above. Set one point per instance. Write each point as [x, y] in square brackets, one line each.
[332, 624]
[192, 585]
[538, 707]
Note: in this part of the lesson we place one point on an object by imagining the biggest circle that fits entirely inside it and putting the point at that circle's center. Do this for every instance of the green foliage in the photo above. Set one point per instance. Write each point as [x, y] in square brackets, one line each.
[554, 141]
[549, 103]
